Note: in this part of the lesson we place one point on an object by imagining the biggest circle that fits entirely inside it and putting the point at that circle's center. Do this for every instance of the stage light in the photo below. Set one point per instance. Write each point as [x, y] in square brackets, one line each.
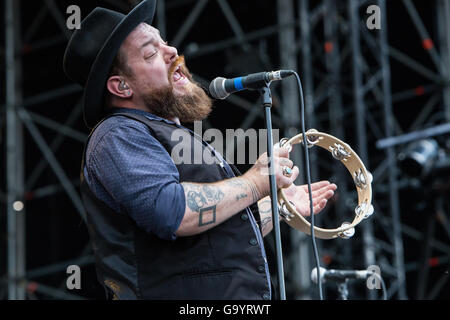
[18, 206]
[419, 158]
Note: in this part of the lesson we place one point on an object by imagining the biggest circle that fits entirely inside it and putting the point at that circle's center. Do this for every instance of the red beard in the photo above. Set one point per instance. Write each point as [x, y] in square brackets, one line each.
[192, 106]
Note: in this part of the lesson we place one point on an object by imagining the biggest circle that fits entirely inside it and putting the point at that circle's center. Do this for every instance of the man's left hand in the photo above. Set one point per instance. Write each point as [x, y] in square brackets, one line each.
[322, 191]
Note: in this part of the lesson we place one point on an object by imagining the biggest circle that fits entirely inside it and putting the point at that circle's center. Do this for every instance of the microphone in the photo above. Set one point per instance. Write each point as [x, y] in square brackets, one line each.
[220, 88]
[339, 275]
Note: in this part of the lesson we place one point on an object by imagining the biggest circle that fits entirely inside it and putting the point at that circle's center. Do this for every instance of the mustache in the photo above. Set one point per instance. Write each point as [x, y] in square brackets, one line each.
[178, 62]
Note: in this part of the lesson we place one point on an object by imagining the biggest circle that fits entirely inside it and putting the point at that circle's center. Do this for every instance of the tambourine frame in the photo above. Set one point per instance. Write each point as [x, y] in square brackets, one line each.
[361, 177]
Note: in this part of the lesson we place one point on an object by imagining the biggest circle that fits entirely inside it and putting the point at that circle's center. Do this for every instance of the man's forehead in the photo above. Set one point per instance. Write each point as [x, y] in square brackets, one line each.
[145, 27]
[146, 30]
[143, 33]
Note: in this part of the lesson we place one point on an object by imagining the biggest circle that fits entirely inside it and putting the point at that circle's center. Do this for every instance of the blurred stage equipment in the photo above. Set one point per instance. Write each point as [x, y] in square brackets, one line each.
[341, 277]
[428, 162]
[419, 158]
[413, 136]
[424, 159]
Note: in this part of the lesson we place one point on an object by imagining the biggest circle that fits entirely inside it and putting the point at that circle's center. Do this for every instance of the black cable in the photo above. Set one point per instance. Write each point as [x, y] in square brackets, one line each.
[308, 179]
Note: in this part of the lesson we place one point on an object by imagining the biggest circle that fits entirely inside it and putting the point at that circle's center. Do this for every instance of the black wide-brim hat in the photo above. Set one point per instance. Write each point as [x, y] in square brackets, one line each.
[93, 48]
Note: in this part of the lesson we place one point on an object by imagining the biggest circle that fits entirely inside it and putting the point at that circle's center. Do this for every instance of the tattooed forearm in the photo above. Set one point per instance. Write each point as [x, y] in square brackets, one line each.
[245, 184]
[237, 182]
[213, 193]
[207, 216]
[195, 200]
[203, 200]
[209, 204]
[255, 192]
[265, 206]
[241, 196]
[266, 225]
[198, 197]
[265, 213]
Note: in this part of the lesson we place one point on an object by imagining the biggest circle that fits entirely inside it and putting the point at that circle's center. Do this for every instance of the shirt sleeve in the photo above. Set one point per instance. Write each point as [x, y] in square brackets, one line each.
[139, 174]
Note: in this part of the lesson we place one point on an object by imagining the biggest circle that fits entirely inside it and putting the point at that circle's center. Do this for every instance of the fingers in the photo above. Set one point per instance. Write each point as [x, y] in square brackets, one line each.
[324, 196]
[319, 185]
[262, 169]
[320, 198]
[282, 152]
[284, 181]
[327, 192]
[284, 177]
[281, 158]
[295, 173]
[286, 162]
[319, 207]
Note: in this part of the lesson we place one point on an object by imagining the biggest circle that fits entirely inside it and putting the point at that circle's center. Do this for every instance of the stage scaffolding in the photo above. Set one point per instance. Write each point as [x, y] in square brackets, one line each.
[346, 73]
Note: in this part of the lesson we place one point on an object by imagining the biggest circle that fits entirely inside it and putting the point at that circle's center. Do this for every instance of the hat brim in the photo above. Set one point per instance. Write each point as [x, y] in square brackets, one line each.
[96, 82]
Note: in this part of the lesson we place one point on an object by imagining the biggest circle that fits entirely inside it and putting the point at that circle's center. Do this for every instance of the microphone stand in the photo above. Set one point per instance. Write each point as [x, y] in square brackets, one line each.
[267, 104]
[343, 289]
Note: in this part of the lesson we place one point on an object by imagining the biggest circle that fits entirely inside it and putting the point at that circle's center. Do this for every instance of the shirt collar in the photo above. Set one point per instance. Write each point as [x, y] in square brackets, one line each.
[141, 112]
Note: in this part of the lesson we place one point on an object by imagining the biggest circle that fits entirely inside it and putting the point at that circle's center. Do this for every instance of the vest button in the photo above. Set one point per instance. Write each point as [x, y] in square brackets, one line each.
[261, 269]
[244, 217]
[266, 296]
[253, 241]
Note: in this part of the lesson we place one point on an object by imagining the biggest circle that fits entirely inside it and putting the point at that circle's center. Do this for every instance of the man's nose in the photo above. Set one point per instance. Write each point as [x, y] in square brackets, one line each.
[171, 54]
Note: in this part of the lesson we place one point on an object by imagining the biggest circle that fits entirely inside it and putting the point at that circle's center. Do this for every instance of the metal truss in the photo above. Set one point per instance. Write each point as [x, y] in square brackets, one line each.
[346, 73]
[23, 116]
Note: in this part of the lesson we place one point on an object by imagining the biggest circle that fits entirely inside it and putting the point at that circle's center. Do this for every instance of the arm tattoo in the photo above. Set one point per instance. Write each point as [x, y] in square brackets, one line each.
[244, 184]
[265, 213]
[195, 200]
[255, 192]
[237, 182]
[241, 196]
[213, 193]
[207, 216]
[265, 206]
[204, 200]
[265, 222]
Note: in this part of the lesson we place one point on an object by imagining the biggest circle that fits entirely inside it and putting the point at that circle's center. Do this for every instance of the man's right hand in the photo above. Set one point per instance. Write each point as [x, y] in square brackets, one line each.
[259, 172]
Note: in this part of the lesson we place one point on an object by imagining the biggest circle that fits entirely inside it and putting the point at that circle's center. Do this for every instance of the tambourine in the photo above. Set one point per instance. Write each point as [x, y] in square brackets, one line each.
[362, 178]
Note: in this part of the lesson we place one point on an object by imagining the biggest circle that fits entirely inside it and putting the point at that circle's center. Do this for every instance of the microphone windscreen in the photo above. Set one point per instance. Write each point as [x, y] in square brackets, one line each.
[216, 88]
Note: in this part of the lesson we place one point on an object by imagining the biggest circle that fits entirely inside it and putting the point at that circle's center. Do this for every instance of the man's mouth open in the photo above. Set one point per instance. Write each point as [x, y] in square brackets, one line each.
[178, 77]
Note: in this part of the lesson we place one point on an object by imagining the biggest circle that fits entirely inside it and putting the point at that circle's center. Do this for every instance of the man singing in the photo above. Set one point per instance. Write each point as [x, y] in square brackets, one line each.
[162, 229]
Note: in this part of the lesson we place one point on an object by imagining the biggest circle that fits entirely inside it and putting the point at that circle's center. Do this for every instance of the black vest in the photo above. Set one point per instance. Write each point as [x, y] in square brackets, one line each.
[221, 263]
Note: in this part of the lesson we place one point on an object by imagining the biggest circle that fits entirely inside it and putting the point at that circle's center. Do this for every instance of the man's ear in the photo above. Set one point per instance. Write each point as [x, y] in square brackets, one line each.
[117, 86]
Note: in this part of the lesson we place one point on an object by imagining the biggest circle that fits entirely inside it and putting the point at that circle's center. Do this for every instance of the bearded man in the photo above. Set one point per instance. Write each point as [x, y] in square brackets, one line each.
[161, 230]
